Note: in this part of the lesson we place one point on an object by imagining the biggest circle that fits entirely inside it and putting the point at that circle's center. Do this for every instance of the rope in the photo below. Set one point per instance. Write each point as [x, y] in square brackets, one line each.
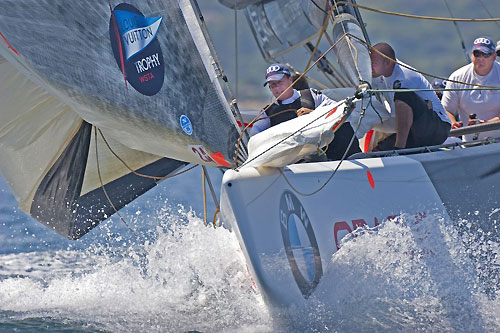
[309, 79]
[433, 89]
[236, 50]
[421, 72]
[338, 165]
[104, 189]
[487, 11]
[322, 31]
[418, 16]
[275, 99]
[341, 78]
[467, 57]
[351, 47]
[292, 134]
[204, 198]
[137, 173]
[215, 216]
[371, 90]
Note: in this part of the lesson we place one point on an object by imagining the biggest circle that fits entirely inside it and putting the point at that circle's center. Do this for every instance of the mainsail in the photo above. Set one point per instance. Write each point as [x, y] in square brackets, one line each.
[282, 25]
[85, 81]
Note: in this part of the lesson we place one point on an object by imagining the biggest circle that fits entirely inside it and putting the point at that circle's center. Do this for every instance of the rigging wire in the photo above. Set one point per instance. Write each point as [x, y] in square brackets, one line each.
[314, 50]
[422, 72]
[238, 144]
[351, 46]
[342, 77]
[433, 89]
[417, 16]
[236, 50]
[369, 90]
[322, 31]
[309, 79]
[467, 57]
[319, 7]
[297, 131]
[363, 112]
[488, 12]
[233, 105]
[326, 68]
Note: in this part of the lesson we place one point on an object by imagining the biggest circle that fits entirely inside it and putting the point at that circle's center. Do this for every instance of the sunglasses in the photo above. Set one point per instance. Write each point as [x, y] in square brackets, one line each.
[478, 54]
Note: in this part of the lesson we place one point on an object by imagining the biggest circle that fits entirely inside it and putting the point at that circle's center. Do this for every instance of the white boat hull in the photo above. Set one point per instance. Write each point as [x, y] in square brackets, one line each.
[289, 237]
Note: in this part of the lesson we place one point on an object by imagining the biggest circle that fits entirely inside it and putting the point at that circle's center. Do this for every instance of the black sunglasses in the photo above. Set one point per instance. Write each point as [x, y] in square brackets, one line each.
[478, 54]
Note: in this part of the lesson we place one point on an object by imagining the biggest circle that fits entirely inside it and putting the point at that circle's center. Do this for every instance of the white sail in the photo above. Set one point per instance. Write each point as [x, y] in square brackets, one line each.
[142, 74]
[140, 101]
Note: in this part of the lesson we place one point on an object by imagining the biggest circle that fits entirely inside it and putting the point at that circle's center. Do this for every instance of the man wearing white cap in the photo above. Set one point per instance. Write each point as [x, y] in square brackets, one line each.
[475, 106]
[292, 103]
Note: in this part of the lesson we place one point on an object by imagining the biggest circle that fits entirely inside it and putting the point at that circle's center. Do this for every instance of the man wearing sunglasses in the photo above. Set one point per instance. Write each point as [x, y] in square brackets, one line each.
[469, 107]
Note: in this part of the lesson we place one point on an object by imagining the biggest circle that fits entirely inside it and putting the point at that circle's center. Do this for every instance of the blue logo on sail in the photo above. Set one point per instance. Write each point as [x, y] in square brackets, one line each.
[186, 125]
[136, 31]
[136, 48]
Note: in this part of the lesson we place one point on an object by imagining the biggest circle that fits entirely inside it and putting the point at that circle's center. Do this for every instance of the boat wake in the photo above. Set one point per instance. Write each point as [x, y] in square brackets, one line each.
[409, 274]
[188, 277]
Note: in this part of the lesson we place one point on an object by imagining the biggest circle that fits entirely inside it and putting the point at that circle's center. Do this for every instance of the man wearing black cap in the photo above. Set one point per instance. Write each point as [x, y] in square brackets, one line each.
[292, 103]
[475, 106]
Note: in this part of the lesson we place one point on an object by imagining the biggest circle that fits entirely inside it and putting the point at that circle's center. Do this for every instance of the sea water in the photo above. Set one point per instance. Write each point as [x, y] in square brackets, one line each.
[174, 274]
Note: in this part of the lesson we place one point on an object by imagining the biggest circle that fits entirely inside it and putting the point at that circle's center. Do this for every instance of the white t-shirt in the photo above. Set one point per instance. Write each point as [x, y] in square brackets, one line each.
[263, 124]
[484, 103]
[404, 78]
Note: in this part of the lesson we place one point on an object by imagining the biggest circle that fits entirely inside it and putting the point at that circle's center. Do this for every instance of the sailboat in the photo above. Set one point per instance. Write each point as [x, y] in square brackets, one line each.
[134, 93]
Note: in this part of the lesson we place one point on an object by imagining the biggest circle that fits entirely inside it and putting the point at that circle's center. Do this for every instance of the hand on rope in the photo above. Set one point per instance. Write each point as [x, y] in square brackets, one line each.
[475, 122]
[238, 144]
[308, 68]
[303, 111]
[457, 124]
[349, 104]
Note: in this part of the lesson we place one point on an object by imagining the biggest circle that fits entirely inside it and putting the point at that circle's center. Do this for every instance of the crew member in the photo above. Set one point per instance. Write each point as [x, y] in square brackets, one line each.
[292, 103]
[419, 118]
[469, 107]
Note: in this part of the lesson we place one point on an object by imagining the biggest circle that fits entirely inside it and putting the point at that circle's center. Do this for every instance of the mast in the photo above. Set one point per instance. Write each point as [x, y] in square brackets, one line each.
[353, 10]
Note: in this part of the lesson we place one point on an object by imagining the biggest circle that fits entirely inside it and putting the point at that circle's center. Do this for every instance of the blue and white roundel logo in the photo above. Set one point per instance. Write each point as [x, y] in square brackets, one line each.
[300, 244]
[186, 125]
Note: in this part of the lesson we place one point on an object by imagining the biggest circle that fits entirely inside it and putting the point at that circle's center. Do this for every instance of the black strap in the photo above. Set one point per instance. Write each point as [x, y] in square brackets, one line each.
[306, 99]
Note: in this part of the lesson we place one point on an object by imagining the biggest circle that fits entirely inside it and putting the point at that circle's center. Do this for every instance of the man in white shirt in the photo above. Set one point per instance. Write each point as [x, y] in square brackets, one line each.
[292, 103]
[419, 119]
[475, 106]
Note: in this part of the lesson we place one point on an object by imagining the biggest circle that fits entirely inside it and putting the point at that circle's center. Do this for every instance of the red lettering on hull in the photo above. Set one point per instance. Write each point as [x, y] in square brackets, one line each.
[356, 223]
